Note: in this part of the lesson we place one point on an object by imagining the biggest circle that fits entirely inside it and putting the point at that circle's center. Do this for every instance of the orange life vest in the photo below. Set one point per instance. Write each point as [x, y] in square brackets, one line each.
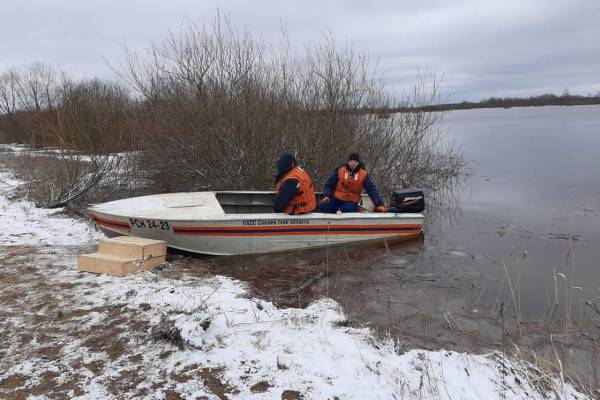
[305, 200]
[349, 185]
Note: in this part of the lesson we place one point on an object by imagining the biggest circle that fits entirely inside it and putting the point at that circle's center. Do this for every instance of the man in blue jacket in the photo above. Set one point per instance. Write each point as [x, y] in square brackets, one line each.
[343, 187]
[295, 192]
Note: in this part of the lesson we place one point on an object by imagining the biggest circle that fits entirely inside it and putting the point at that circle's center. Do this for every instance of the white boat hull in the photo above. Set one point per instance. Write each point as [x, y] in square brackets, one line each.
[229, 234]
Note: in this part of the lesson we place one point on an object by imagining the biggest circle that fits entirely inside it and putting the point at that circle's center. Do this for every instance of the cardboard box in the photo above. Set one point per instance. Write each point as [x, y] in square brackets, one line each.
[111, 264]
[133, 247]
[122, 255]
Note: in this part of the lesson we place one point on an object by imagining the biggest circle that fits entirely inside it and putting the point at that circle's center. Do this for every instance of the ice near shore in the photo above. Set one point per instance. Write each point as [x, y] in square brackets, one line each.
[249, 341]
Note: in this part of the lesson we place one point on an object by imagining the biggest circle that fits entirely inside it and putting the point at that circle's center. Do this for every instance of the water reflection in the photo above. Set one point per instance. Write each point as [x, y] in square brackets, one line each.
[297, 278]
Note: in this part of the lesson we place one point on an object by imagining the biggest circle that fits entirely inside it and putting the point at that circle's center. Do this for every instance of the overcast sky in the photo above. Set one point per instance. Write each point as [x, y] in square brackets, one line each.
[483, 48]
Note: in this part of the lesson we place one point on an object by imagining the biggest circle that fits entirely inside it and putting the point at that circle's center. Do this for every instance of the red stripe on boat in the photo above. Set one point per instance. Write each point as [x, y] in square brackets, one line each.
[286, 230]
[111, 223]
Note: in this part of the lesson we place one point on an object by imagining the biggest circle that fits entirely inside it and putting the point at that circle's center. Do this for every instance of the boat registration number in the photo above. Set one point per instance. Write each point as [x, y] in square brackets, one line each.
[149, 224]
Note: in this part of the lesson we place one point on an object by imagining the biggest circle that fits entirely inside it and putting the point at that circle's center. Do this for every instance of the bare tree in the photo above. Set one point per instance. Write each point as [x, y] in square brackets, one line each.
[36, 89]
[9, 84]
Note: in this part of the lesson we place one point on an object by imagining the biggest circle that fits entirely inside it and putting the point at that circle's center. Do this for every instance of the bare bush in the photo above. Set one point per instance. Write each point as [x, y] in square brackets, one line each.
[94, 117]
[89, 129]
[58, 178]
[220, 106]
[86, 124]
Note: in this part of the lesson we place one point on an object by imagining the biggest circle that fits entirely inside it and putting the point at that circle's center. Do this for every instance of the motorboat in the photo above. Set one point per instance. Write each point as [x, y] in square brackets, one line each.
[243, 222]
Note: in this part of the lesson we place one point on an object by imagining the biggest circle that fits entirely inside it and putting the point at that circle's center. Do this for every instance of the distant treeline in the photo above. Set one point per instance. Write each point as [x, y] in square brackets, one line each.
[506, 102]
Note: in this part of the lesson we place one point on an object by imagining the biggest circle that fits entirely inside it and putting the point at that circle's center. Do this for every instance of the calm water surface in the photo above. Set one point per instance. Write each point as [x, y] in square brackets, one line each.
[535, 182]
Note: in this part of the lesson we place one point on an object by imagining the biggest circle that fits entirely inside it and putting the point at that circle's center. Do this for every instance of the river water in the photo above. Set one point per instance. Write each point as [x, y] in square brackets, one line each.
[535, 185]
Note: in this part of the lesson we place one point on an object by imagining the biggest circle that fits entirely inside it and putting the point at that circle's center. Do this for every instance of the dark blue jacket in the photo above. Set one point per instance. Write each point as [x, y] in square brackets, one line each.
[289, 189]
[369, 186]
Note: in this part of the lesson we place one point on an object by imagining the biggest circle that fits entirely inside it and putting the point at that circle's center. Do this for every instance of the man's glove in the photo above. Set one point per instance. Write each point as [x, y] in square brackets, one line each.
[325, 200]
[380, 209]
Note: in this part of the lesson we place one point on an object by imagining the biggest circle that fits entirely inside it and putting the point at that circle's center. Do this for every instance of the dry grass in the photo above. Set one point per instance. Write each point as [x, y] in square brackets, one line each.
[577, 335]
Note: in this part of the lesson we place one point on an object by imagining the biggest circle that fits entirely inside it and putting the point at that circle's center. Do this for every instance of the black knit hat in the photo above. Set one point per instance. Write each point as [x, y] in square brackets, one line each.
[286, 162]
[354, 156]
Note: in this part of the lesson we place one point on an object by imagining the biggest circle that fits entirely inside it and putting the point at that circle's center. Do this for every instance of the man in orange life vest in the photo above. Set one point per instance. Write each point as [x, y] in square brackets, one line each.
[342, 188]
[294, 188]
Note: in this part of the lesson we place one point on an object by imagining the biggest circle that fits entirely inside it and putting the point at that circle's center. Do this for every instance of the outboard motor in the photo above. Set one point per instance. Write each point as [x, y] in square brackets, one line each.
[407, 201]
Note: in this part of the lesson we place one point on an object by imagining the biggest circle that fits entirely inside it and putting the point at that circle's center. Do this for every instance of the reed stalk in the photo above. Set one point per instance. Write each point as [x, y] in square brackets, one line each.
[552, 310]
[512, 293]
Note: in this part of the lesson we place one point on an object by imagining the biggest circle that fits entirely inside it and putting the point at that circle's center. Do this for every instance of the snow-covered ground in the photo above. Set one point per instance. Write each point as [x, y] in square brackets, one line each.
[211, 329]
[24, 224]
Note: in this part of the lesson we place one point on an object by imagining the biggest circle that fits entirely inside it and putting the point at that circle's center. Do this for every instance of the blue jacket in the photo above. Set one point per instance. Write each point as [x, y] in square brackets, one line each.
[289, 189]
[369, 186]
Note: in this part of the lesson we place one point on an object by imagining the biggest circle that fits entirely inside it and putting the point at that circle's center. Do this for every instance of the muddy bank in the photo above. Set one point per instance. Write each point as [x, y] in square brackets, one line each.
[55, 344]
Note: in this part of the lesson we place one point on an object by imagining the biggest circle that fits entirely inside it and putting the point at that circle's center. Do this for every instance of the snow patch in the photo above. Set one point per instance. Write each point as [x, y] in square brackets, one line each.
[22, 223]
[307, 350]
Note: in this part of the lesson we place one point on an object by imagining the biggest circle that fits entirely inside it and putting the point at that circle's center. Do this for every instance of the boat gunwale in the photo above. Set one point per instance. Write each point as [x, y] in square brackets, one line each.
[224, 217]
